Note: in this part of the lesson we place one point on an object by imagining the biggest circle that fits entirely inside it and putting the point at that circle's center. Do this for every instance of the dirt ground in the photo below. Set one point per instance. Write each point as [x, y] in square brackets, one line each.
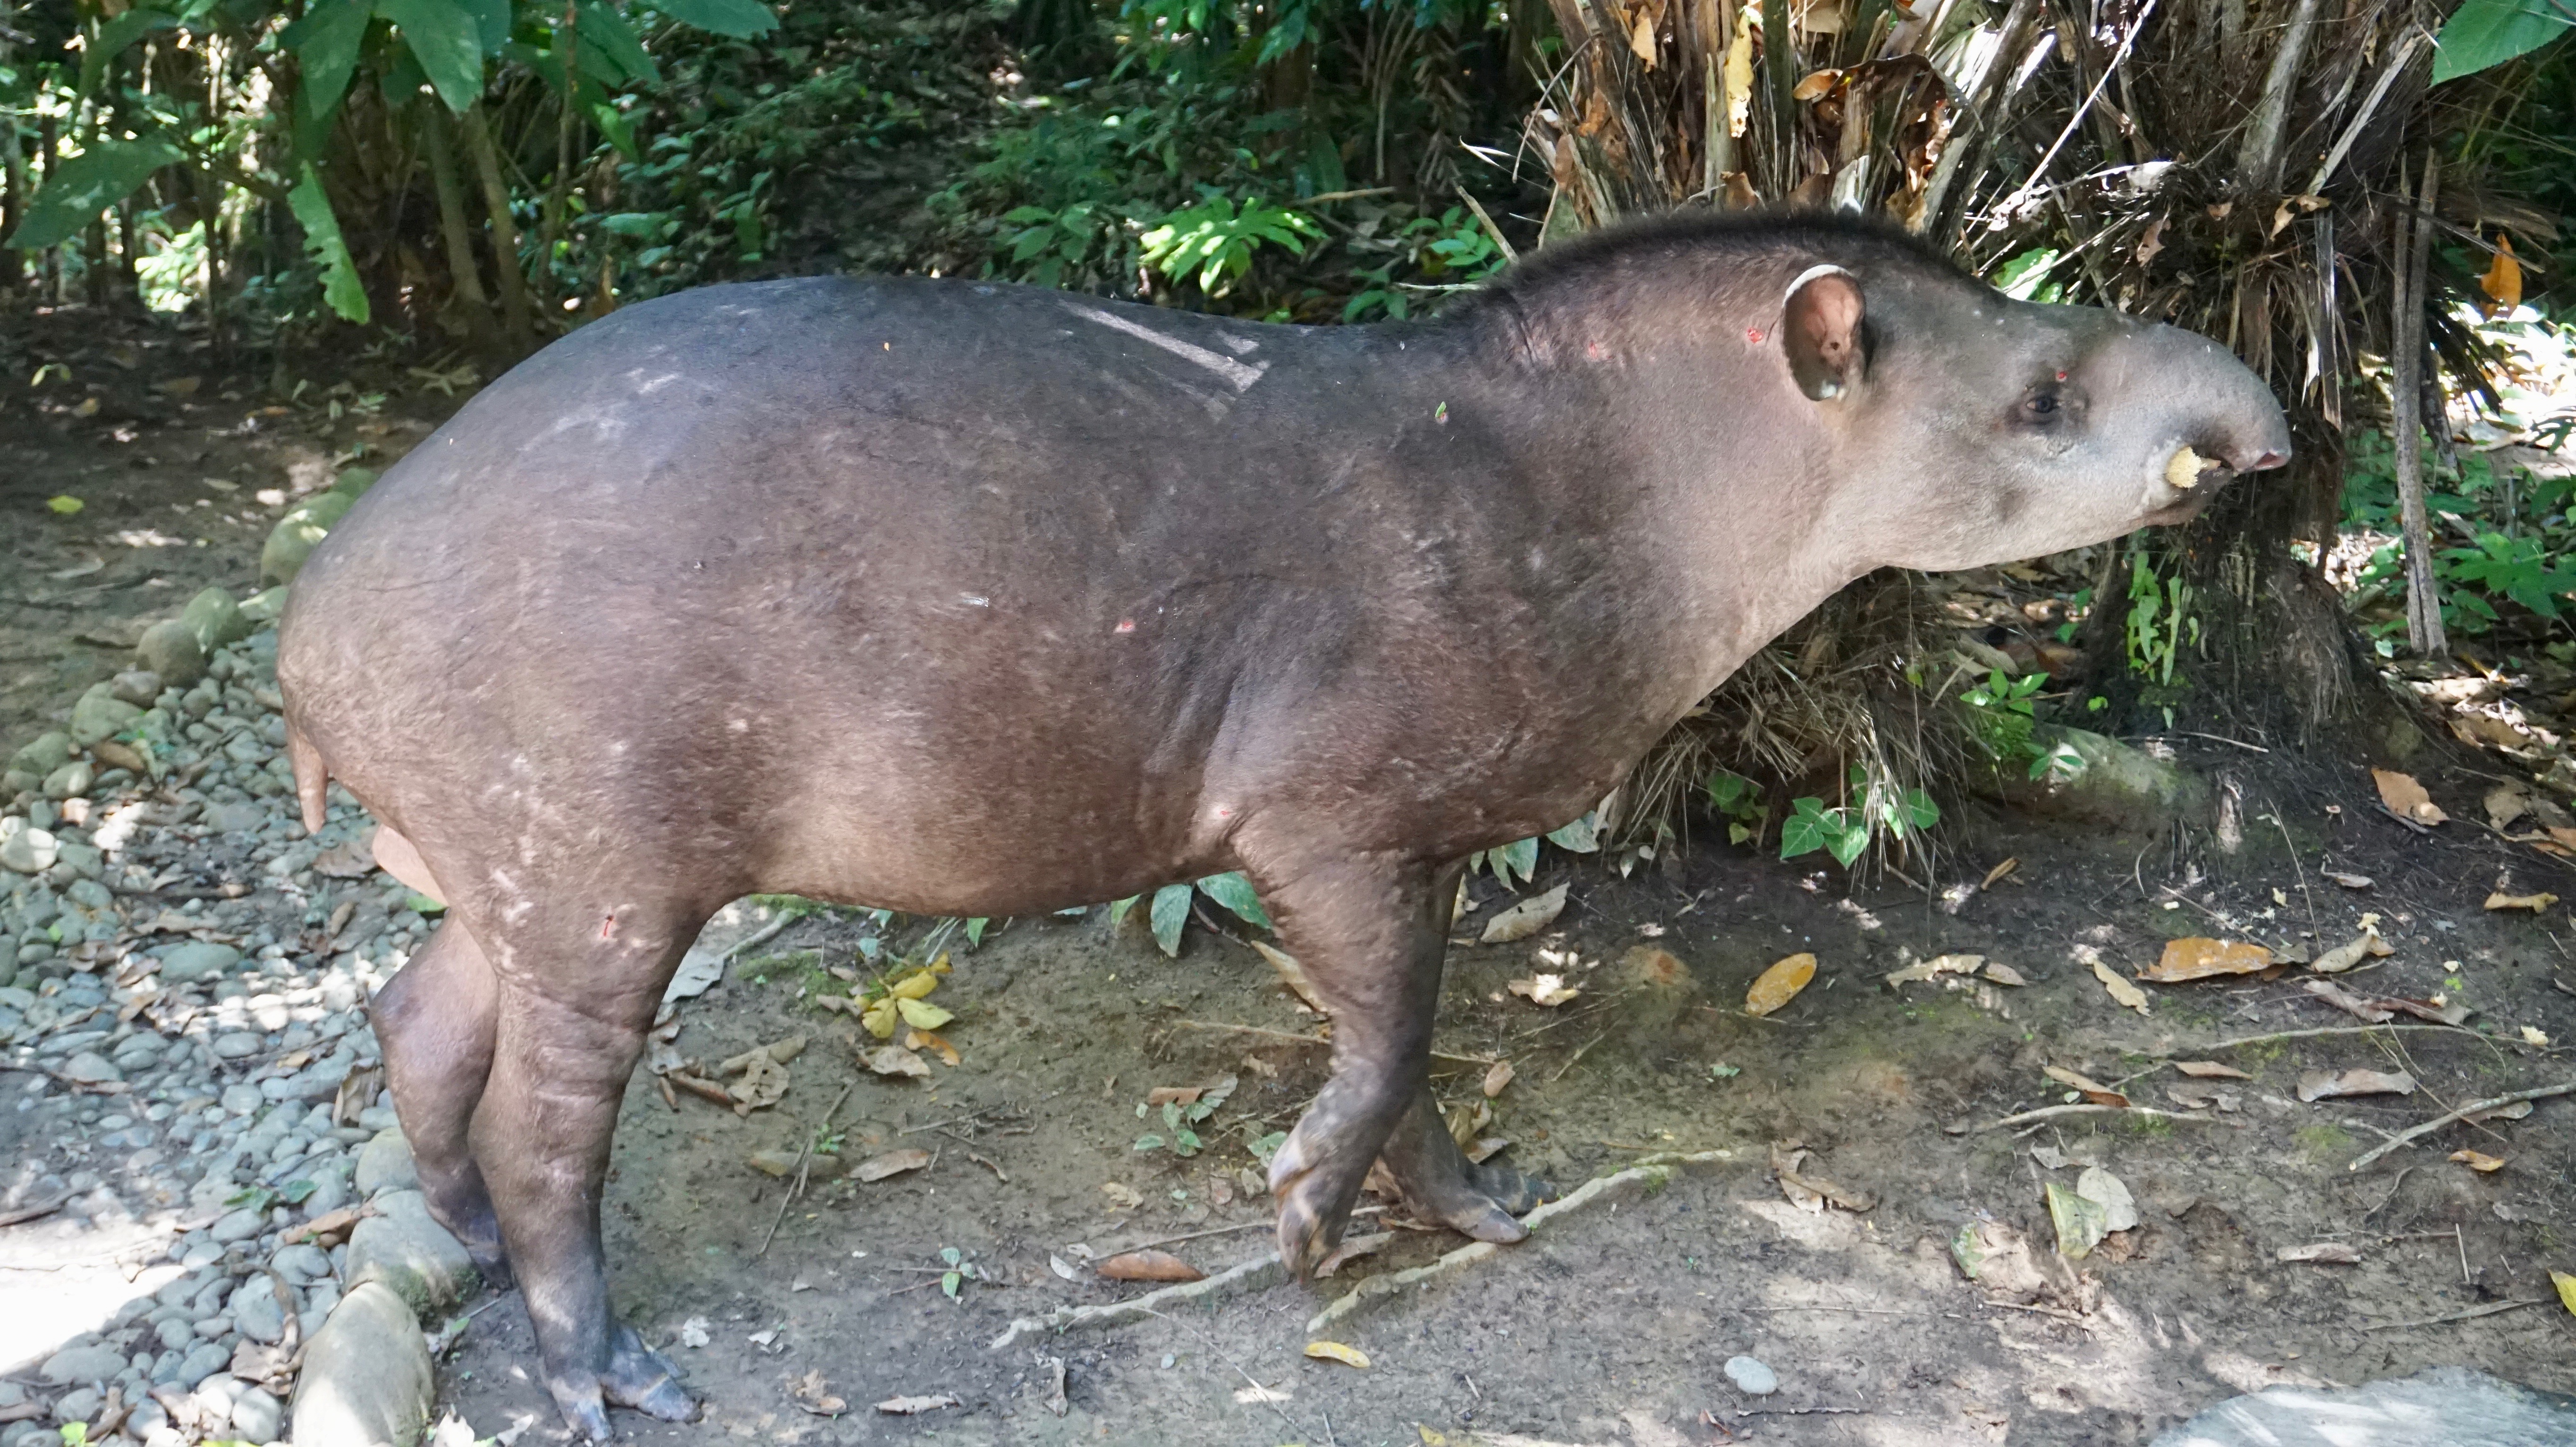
[1610, 1325]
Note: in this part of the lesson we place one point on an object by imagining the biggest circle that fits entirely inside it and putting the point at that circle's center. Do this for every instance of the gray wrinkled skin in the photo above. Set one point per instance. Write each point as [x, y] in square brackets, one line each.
[983, 600]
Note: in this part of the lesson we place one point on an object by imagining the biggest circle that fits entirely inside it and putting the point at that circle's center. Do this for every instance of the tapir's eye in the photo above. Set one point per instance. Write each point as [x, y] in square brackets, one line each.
[2041, 405]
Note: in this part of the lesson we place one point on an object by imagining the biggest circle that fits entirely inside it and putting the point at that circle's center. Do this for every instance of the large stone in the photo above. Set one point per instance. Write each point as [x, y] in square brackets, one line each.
[257, 1416]
[197, 960]
[215, 619]
[298, 533]
[71, 779]
[45, 754]
[2100, 780]
[384, 1164]
[407, 1251]
[259, 1314]
[26, 848]
[100, 714]
[237, 817]
[366, 1379]
[94, 1363]
[240, 1225]
[137, 686]
[170, 649]
[266, 606]
[90, 1068]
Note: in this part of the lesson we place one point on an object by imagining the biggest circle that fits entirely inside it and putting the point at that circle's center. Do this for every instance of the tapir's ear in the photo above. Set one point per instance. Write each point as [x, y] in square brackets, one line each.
[1820, 328]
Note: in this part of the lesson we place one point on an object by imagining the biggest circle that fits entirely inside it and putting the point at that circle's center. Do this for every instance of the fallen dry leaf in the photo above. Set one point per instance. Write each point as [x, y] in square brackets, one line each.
[2323, 1252]
[1149, 1266]
[2351, 881]
[2198, 958]
[2093, 1091]
[2504, 804]
[2406, 798]
[1548, 990]
[913, 1406]
[2202, 1097]
[2120, 1210]
[2081, 1222]
[1999, 1258]
[2320, 1084]
[2533, 902]
[2532, 1036]
[2210, 1070]
[814, 1395]
[1996, 874]
[1932, 968]
[2511, 1110]
[1780, 984]
[1809, 1192]
[2003, 974]
[1333, 1351]
[2120, 989]
[763, 1083]
[2566, 1285]
[1352, 1250]
[2478, 1161]
[2344, 956]
[1292, 974]
[921, 1014]
[1121, 1196]
[1525, 918]
[896, 1061]
[1497, 1078]
[892, 1163]
[935, 1044]
[2373, 1011]
[1174, 1094]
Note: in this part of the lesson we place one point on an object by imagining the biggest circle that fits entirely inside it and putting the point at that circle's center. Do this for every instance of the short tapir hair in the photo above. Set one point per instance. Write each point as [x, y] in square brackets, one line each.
[1591, 283]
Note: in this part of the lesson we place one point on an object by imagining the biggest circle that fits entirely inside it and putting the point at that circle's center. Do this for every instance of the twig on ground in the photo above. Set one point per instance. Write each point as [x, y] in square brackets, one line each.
[2473, 1107]
[974, 1115]
[2393, 1188]
[36, 1212]
[1259, 1391]
[2473, 1313]
[2052, 1112]
[2244, 1040]
[1577, 1057]
[804, 1157]
[1803, 1411]
[1315, 1039]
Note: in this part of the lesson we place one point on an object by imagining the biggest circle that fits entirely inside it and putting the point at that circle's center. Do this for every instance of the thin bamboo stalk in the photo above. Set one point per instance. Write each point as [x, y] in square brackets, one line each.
[2414, 236]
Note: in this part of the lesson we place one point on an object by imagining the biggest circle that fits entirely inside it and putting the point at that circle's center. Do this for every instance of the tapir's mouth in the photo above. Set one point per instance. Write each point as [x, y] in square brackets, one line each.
[2190, 478]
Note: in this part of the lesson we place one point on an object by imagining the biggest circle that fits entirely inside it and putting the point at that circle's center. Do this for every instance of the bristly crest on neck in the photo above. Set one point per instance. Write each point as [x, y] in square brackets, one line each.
[1605, 287]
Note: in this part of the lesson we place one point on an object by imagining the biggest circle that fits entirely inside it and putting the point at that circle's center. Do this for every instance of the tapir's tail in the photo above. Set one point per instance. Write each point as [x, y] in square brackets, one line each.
[312, 780]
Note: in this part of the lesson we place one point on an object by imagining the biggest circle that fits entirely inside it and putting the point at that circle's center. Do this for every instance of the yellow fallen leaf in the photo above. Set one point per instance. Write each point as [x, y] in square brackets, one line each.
[880, 1018]
[915, 985]
[2210, 1070]
[1333, 1351]
[2479, 1161]
[2503, 281]
[2121, 990]
[2566, 1290]
[1642, 39]
[927, 1040]
[2533, 902]
[1497, 1078]
[921, 1014]
[1548, 990]
[2406, 798]
[2197, 958]
[1780, 984]
[2532, 1036]
[1816, 83]
[1935, 967]
[66, 504]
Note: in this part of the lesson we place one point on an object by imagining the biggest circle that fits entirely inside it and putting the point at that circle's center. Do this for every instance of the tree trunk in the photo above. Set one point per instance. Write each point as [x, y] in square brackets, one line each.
[2414, 235]
[505, 232]
[464, 276]
[550, 224]
[13, 201]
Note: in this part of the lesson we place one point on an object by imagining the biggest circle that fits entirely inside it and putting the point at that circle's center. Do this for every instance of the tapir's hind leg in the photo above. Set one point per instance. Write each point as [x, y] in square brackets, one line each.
[435, 1021]
[578, 990]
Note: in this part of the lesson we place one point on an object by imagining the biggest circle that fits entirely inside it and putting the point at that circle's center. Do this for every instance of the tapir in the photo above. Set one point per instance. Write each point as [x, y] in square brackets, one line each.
[970, 599]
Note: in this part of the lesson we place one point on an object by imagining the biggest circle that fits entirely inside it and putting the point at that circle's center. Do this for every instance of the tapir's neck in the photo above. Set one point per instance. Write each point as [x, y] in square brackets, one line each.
[1702, 473]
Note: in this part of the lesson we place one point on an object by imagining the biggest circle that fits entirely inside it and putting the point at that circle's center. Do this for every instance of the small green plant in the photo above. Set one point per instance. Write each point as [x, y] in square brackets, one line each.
[2160, 622]
[1212, 241]
[1723, 1071]
[1845, 831]
[1170, 911]
[957, 1272]
[75, 1434]
[1738, 800]
[1179, 1117]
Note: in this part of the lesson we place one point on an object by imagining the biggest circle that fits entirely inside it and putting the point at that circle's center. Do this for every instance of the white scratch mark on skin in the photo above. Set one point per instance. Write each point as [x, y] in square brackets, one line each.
[1237, 373]
[740, 726]
[1240, 346]
[978, 600]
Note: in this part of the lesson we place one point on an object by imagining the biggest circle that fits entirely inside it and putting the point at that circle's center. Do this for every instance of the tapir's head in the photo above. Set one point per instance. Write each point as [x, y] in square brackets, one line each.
[1963, 427]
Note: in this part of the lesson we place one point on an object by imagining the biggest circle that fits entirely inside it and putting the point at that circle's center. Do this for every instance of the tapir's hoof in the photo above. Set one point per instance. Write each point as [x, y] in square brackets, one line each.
[1312, 1209]
[642, 1378]
[637, 1377]
[1483, 1205]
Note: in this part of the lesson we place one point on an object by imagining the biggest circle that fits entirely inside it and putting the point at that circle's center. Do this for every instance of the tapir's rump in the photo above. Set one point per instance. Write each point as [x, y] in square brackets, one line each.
[965, 599]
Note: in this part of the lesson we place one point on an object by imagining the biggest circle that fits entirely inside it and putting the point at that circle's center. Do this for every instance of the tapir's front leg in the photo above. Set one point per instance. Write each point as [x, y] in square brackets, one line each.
[1370, 933]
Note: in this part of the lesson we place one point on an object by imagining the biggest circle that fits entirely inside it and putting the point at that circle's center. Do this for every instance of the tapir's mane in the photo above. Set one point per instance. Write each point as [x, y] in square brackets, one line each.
[1729, 261]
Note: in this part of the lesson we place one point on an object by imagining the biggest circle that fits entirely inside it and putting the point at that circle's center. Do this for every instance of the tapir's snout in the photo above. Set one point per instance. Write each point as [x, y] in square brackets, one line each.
[2223, 421]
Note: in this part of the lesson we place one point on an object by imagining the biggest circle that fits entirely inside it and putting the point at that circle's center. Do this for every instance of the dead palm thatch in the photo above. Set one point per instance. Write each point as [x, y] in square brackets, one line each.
[2244, 168]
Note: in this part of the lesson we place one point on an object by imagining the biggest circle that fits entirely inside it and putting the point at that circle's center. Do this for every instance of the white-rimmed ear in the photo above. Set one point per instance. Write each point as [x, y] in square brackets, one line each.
[1820, 329]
